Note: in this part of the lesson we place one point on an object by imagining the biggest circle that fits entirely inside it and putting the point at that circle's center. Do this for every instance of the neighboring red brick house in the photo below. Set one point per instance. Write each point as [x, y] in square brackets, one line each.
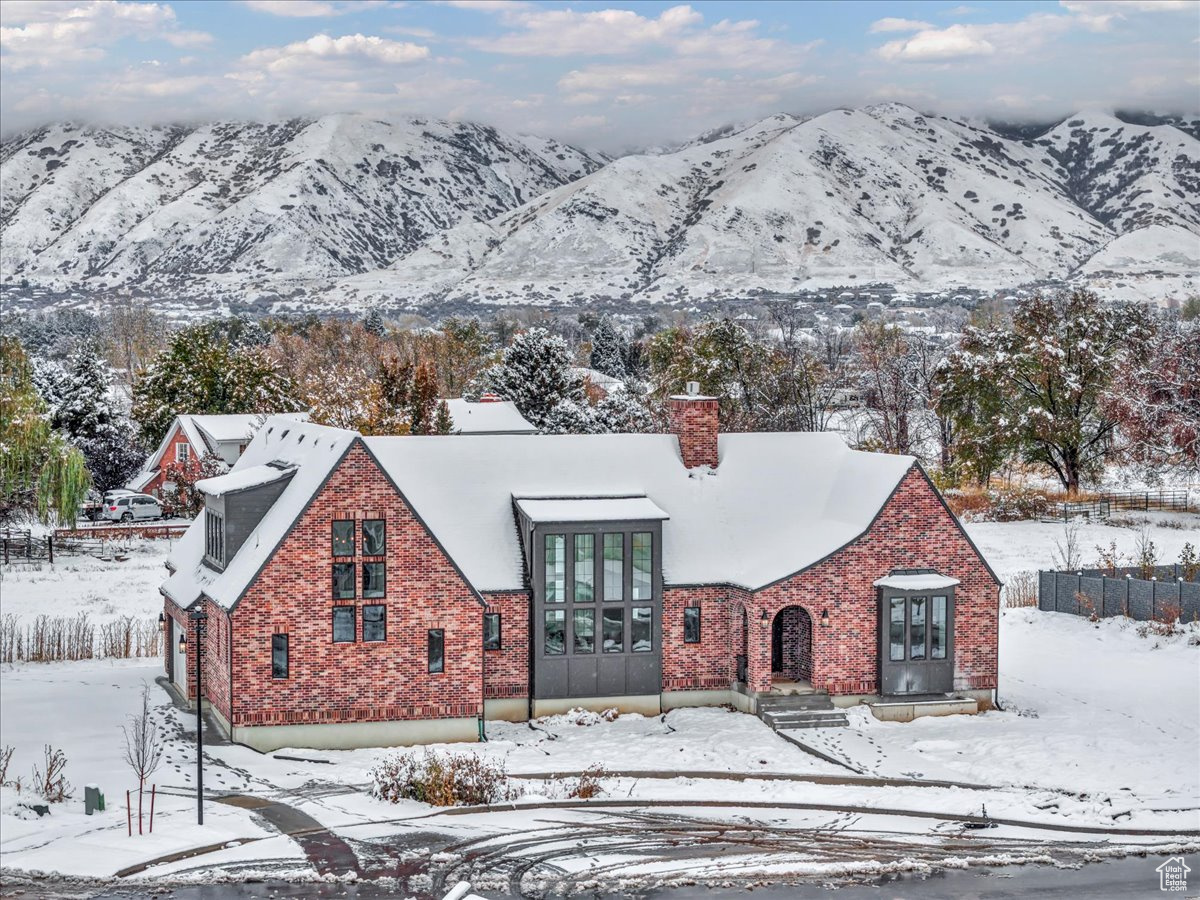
[191, 439]
[385, 590]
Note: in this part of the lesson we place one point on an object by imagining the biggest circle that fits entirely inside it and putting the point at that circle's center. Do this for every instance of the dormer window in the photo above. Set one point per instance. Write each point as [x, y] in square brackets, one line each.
[214, 537]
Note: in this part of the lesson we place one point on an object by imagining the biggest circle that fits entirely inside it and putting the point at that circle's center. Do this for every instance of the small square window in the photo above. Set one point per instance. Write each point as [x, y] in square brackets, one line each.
[691, 624]
[343, 625]
[343, 581]
[374, 579]
[279, 656]
[343, 537]
[491, 631]
[374, 537]
[374, 623]
[437, 650]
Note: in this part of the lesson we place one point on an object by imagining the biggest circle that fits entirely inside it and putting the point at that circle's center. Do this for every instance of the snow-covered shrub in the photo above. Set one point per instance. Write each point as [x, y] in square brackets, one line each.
[48, 781]
[577, 715]
[590, 783]
[1021, 590]
[441, 779]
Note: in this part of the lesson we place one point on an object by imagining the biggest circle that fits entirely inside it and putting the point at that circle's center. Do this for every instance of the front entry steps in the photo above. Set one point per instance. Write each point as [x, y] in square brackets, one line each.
[795, 711]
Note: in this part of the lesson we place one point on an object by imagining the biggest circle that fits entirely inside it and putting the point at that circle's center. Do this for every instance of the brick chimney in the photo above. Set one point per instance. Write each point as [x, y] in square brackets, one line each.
[489, 397]
[694, 421]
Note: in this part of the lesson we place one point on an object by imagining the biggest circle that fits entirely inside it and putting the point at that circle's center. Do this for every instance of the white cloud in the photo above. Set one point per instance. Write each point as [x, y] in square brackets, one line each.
[43, 35]
[323, 48]
[304, 9]
[589, 121]
[565, 32]
[961, 11]
[892, 24]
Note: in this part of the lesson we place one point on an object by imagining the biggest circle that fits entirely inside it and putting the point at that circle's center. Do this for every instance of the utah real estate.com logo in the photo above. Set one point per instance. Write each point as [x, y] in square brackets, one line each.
[1172, 875]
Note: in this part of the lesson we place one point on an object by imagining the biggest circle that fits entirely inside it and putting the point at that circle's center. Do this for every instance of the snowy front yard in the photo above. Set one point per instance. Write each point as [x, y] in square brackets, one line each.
[1101, 729]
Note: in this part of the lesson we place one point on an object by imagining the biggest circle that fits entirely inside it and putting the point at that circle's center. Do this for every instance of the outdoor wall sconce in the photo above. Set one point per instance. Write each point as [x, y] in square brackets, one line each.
[162, 620]
[825, 618]
[183, 643]
[765, 618]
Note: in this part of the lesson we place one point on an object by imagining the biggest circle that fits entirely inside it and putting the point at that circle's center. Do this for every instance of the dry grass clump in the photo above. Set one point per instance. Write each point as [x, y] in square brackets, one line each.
[441, 780]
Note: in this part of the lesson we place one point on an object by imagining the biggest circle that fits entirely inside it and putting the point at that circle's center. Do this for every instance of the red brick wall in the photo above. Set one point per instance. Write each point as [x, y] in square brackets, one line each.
[707, 665]
[168, 459]
[216, 652]
[506, 671]
[694, 422]
[914, 530]
[357, 682]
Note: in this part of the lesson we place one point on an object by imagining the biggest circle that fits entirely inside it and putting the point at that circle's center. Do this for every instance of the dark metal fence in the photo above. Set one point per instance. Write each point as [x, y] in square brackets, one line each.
[101, 541]
[1093, 592]
[1102, 505]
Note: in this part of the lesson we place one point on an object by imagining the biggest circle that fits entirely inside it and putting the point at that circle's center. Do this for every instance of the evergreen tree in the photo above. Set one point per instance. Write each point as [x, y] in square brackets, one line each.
[113, 453]
[40, 473]
[84, 405]
[610, 350]
[534, 373]
[442, 422]
[373, 323]
[422, 401]
[206, 370]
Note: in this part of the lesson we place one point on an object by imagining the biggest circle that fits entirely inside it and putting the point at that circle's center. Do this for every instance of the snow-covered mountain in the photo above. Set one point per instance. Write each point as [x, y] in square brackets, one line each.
[879, 195]
[252, 203]
[349, 211]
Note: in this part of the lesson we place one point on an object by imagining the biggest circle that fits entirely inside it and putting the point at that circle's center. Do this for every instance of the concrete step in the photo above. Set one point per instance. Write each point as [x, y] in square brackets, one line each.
[802, 701]
[805, 719]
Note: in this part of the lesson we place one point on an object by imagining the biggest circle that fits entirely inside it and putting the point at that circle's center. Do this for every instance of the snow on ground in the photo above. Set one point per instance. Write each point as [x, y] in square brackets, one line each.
[80, 583]
[1012, 547]
[1104, 710]
[79, 707]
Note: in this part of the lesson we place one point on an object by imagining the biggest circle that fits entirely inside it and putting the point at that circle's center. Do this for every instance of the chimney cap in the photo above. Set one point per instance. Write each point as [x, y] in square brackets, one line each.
[693, 388]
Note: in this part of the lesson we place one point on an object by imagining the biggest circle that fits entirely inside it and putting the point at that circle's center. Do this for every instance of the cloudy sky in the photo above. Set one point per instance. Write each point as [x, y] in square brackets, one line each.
[607, 74]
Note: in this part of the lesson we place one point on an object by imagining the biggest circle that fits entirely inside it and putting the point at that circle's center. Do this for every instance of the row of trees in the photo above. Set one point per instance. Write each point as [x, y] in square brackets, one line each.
[1063, 382]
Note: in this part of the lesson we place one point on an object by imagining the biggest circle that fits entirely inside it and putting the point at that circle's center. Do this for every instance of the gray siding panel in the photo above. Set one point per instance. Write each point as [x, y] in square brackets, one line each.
[245, 509]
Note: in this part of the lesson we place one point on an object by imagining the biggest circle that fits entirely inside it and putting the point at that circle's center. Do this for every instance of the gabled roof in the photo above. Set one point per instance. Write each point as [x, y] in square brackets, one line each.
[589, 509]
[492, 417]
[203, 433]
[314, 451]
[776, 504]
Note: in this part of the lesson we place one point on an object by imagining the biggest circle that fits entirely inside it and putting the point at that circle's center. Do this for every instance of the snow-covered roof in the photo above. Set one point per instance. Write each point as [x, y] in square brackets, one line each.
[589, 509]
[204, 432]
[314, 450]
[929, 581]
[606, 382]
[776, 503]
[492, 417]
[245, 477]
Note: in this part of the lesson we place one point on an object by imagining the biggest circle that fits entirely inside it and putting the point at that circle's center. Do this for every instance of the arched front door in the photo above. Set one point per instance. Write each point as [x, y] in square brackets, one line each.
[791, 645]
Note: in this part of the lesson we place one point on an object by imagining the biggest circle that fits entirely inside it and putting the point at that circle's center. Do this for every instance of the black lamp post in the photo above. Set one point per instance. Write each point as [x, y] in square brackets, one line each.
[201, 620]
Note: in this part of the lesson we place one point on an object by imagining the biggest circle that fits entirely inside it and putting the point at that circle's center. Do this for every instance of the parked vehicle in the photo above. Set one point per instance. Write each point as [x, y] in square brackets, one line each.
[132, 507]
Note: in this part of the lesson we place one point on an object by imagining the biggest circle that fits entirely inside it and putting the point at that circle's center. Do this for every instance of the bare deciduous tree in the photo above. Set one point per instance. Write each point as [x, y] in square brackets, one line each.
[143, 747]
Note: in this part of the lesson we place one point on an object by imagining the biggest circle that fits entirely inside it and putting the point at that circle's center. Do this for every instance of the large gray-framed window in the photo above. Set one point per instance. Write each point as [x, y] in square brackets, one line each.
[895, 628]
[585, 568]
[614, 629]
[937, 628]
[343, 581]
[342, 537]
[344, 625]
[556, 568]
[614, 567]
[584, 630]
[554, 642]
[641, 629]
[643, 565]
[437, 651]
[279, 656]
[374, 623]
[374, 537]
[691, 624]
[916, 642]
[374, 580]
[491, 631]
[214, 536]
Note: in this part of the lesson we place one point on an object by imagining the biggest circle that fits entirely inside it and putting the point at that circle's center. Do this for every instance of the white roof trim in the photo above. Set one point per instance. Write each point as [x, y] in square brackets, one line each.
[590, 509]
[930, 581]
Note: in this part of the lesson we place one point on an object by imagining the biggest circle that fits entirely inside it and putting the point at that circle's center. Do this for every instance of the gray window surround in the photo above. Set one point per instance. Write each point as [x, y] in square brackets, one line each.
[901, 670]
[333, 624]
[580, 671]
[279, 656]
[214, 538]
[490, 643]
[368, 611]
[337, 543]
[240, 512]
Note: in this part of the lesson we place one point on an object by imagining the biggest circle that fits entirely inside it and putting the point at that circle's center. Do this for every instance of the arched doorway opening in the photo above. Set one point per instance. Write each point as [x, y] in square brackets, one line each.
[791, 648]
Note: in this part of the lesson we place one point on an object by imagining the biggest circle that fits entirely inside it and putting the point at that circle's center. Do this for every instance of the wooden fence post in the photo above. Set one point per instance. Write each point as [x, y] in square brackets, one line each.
[6, 551]
[50, 547]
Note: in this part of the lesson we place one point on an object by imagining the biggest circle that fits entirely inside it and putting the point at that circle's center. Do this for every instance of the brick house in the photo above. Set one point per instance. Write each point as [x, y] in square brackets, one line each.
[368, 591]
[191, 439]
